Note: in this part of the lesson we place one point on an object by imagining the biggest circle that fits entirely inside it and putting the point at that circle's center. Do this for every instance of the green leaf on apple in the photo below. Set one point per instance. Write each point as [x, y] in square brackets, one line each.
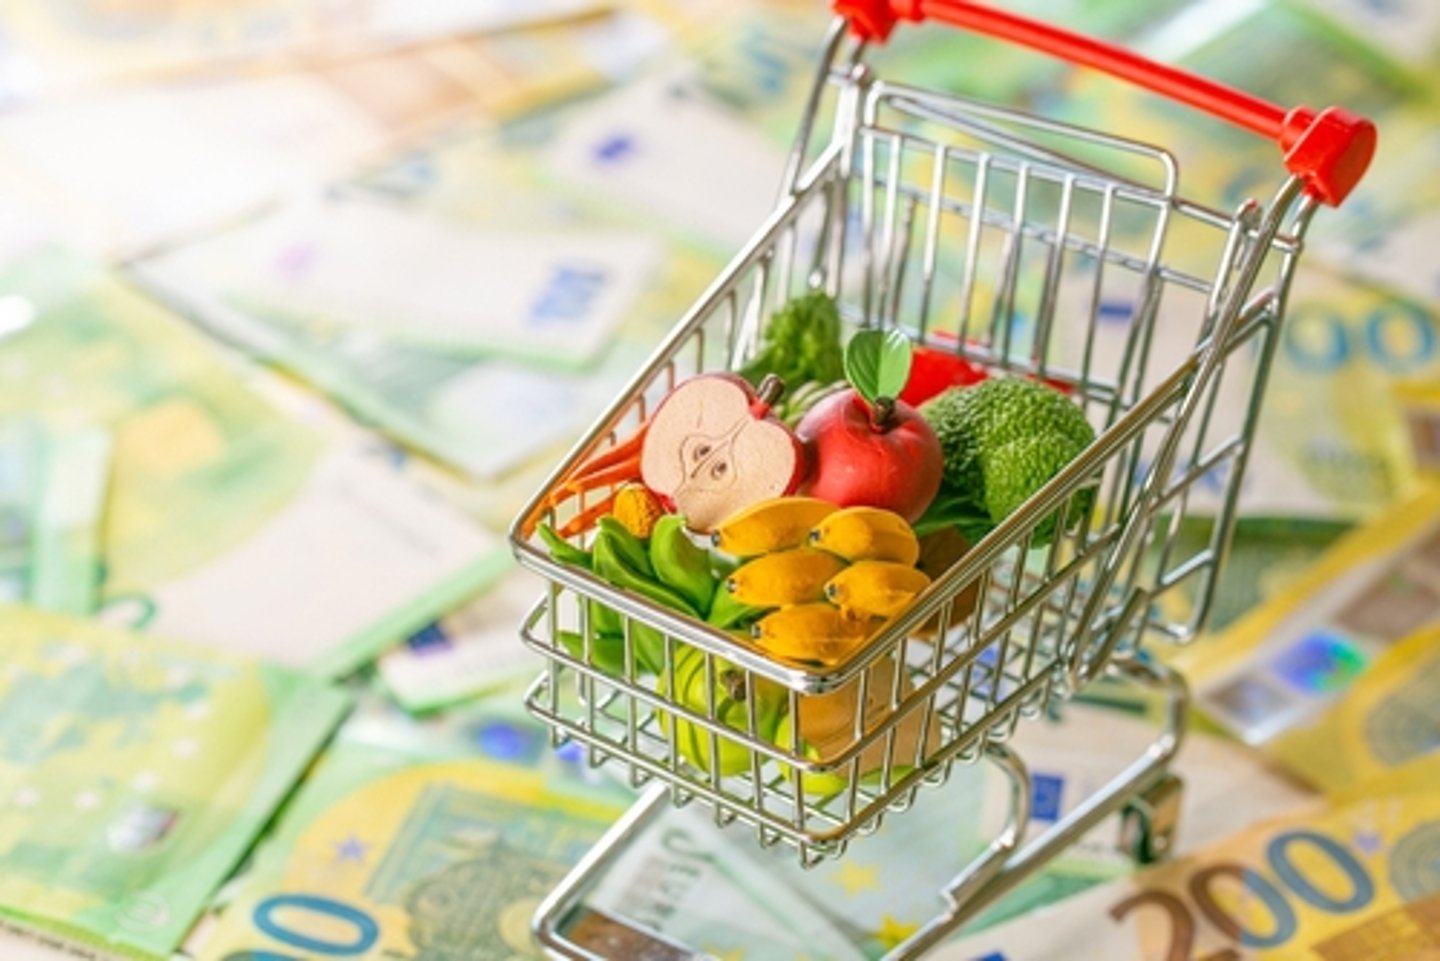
[877, 364]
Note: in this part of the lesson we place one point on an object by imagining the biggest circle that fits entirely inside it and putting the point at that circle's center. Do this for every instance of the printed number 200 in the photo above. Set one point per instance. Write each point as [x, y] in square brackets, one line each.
[367, 932]
[1283, 920]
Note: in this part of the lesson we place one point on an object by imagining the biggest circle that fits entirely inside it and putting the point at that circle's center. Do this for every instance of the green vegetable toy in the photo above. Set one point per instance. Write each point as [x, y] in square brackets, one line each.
[1003, 440]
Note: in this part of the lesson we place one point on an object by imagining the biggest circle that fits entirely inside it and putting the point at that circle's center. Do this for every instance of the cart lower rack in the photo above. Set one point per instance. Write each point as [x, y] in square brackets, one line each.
[1034, 249]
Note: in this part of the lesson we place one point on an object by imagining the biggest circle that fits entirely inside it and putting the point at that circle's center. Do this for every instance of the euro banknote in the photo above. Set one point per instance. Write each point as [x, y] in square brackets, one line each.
[429, 839]
[53, 481]
[1357, 880]
[62, 49]
[717, 892]
[468, 652]
[1301, 655]
[190, 157]
[1420, 403]
[228, 522]
[1390, 717]
[1266, 555]
[136, 771]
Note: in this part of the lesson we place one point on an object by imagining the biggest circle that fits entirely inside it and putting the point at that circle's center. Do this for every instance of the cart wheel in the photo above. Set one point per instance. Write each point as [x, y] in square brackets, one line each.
[1149, 821]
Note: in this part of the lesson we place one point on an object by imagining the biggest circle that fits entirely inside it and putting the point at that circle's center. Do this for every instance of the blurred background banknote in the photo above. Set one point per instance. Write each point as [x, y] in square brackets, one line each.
[469, 652]
[226, 522]
[714, 890]
[1354, 881]
[53, 482]
[186, 156]
[59, 47]
[135, 773]
[1304, 650]
[431, 840]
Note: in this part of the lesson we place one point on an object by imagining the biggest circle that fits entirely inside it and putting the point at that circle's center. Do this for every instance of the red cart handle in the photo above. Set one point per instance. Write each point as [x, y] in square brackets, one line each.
[1328, 150]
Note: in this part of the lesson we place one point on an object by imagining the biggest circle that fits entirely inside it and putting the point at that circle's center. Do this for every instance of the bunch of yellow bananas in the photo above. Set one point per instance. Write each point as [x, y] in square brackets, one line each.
[833, 574]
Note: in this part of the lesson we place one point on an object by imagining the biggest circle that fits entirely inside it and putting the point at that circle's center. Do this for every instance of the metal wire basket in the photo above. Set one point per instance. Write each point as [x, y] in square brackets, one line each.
[1033, 248]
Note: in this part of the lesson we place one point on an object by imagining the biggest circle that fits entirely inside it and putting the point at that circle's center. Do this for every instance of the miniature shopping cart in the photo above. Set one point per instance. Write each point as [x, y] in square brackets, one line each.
[1035, 249]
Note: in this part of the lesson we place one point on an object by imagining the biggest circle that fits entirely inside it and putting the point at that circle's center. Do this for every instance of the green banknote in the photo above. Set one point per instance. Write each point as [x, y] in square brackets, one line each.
[1355, 881]
[135, 772]
[432, 840]
[53, 482]
[227, 522]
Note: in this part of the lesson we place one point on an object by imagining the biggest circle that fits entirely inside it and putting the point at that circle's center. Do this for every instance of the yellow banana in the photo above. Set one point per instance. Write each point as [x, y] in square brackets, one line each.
[867, 534]
[875, 588]
[816, 633]
[775, 524]
[785, 577]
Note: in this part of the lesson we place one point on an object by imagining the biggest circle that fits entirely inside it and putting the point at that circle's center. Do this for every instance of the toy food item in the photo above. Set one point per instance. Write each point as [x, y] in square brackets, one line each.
[771, 525]
[875, 588]
[818, 633]
[827, 728]
[796, 576]
[867, 533]
[638, 509]
[865, 446]
[1003, 440]
[731, 690]
[801, 343]
[712, 448]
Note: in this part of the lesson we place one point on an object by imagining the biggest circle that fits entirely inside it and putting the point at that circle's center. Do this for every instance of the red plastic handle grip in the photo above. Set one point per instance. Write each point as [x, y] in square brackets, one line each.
[1329, 150]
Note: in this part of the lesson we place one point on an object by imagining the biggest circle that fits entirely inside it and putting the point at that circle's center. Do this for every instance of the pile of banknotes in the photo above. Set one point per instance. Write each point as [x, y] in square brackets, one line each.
[301, 300]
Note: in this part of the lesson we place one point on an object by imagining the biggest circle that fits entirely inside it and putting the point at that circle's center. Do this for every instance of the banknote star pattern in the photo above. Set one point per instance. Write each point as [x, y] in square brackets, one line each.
[351, 849]
[855, 878]
[892, 932]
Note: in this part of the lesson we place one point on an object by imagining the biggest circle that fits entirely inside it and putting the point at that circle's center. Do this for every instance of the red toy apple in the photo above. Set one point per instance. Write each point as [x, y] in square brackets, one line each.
[712, 448]
[865, 447]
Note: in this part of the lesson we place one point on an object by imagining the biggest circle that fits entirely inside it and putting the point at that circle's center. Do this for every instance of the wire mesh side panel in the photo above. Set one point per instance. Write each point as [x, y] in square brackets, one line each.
[1059, 253]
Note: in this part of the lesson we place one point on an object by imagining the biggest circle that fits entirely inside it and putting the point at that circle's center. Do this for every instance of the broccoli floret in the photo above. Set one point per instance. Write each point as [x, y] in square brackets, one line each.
[1003, 440]
[801, 343]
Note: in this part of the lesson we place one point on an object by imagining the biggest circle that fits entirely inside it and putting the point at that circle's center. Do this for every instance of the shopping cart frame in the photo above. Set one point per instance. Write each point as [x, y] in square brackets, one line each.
[1042, 621]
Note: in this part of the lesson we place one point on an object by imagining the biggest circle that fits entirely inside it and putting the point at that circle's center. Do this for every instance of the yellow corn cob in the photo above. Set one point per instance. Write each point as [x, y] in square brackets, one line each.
[638, 509]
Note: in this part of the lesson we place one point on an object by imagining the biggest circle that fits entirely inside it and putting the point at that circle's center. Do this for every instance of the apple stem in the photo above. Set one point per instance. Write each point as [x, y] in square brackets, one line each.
[882, 412]
[767, 394]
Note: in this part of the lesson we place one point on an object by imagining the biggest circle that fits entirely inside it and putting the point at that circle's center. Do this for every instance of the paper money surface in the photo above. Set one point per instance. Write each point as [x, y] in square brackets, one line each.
[59, 47]
[715, 891]
[134, 773]
[1304, 650]
[415, 840]
[53, 482]
[1226, 787]
[1357, 881]
[374, 269]
[1387, 719]
[186, 157]
[226, 522]
[468, 651]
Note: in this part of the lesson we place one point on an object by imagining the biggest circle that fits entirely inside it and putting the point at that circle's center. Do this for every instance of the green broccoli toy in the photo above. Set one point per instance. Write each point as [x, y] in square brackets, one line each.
[1003, 440]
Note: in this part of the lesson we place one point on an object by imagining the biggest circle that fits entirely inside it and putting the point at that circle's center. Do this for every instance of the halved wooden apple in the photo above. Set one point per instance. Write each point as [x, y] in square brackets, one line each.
[712, 448]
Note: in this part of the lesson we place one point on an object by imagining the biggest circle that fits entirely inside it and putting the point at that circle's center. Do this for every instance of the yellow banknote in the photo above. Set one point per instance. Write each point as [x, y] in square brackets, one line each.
[1356, 882]
[1390, 717]
[1303, 652]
